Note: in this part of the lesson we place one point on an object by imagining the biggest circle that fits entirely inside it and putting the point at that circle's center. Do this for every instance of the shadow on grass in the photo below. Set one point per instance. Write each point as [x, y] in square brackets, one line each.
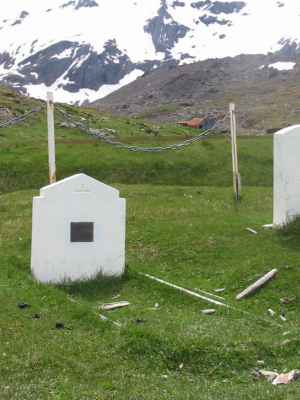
[95, 289]
[289, 234]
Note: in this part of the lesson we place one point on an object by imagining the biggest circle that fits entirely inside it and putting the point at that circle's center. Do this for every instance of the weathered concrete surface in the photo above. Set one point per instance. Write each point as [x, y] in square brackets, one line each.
[55, 258]
[286, 175]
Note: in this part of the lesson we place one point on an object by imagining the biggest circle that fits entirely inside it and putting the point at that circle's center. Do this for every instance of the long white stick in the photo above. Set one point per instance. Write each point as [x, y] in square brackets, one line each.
[209, 294]
[210, 300]
[258, 284]
[187, 291]
[235, 163]
[51, 138]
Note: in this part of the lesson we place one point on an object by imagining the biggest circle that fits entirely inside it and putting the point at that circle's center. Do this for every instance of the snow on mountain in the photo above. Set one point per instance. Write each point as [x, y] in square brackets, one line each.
[85, 49]
[280, 65]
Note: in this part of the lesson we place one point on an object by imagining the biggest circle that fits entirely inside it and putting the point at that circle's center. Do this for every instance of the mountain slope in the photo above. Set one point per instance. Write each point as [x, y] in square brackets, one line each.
[265, 88]
[85, 49]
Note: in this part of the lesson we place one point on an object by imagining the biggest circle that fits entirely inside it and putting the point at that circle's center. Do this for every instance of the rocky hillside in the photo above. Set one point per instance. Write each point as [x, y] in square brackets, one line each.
[265, 89]
[86, 49]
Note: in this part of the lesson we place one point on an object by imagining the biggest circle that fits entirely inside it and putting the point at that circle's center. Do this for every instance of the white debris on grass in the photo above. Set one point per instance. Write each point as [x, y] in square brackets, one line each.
[210, 311]
[114, 306]
[106, 319]
[187, 291]
[252, 231]
[220, 290]
[257, 285]
[271, 312]
[279, 379]
[268, 226]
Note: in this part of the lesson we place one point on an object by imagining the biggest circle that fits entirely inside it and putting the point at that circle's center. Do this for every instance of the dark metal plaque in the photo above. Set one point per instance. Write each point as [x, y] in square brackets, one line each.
[82, 232]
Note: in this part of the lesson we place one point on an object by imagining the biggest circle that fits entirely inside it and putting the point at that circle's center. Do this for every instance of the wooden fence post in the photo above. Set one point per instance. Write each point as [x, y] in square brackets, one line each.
[51, 138]
[235, 162]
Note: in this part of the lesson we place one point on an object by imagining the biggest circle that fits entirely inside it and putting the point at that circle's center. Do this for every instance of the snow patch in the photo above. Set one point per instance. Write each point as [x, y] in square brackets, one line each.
[283, 65]
[83, 95]
[67, 53]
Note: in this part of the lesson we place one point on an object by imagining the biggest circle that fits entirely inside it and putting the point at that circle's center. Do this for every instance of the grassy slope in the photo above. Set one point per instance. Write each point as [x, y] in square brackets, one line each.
[184, 227]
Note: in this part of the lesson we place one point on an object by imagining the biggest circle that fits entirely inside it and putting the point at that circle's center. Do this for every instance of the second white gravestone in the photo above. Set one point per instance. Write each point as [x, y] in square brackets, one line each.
[286, 175]
[78, 231]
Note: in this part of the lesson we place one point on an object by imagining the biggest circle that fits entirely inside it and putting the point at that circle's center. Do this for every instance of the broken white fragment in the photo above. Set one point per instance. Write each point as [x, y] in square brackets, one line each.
[269, 375]
[257, 285]
[285, 379]
[268, 226]
[280, 379]
[114, 306]
[252, 231]
[282, 317]
[104, 318]
[271, 312]
[220, 290]
[208, 311]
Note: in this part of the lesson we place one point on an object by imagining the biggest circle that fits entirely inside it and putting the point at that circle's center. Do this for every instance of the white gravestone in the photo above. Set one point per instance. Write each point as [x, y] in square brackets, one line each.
[286, 175]
[78, 231]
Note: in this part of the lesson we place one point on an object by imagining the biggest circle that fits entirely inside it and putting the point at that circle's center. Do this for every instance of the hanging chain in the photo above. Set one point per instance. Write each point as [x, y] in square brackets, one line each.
[102, 135]
[177, 146]
[21, 118]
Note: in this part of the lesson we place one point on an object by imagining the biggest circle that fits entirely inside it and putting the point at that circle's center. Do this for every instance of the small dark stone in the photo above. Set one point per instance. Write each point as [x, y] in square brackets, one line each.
[22, 306]
[140, 321]
[59, 325]
[36, 316]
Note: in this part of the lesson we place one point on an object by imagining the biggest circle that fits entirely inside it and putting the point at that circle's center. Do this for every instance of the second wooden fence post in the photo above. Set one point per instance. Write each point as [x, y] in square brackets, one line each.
[51, 138]
[235, 162]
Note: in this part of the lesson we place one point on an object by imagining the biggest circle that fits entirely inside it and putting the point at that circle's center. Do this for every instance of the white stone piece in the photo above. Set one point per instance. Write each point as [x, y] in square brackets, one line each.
[286, 175]
[114, 306]
[209, 311]
[77, 199]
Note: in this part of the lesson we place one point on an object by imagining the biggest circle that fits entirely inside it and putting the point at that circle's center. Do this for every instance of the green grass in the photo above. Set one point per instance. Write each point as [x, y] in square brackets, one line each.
[207, 163]
[291, 230]
[182, 226]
